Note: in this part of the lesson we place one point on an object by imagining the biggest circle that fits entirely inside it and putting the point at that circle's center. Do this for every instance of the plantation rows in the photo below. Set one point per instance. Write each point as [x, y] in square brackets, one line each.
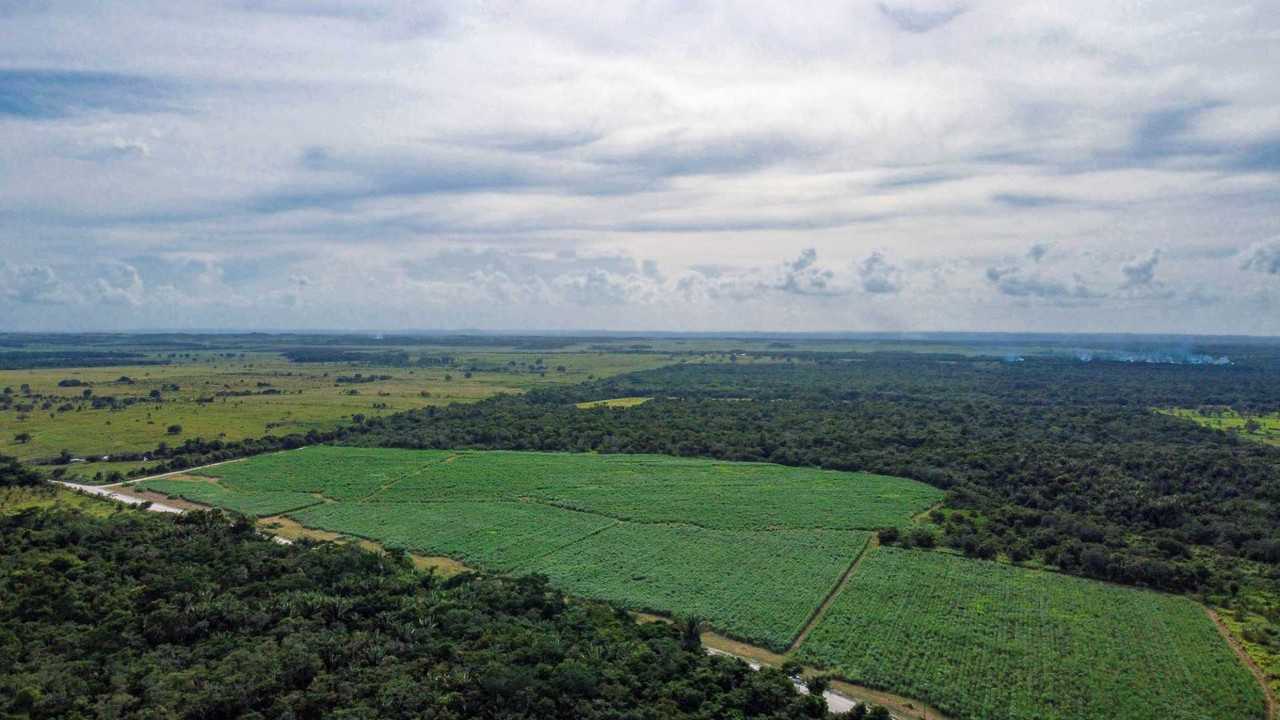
[983, 640]
[643, 488]
[501, 536]
[259, 503]
[758, 586]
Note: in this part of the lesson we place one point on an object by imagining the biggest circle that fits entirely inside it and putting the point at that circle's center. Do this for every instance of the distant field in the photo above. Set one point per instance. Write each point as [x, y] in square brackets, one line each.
[751, 547]
[623, 402]
[983, 640]
[1261, 428]
[259, 394]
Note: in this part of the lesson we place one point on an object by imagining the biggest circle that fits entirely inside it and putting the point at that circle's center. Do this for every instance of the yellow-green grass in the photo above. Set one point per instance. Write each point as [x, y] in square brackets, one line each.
[622, 402]
[1262, 428]
[17, 499]
[310, 398]
[1258, 638]
[988, 640]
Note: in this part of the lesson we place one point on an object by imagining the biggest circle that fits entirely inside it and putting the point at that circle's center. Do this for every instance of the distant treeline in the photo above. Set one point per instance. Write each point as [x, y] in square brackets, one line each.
[31, 360]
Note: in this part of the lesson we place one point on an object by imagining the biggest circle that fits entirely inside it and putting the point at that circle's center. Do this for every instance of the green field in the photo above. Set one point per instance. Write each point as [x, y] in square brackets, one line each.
[753, 548]
[1261, 428]
[622, 402]
[641, 488]
[984, 640]
[259, 394]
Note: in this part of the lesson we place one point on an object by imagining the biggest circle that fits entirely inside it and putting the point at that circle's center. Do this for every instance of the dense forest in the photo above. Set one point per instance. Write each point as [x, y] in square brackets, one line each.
[195, 617]
[1059, 461]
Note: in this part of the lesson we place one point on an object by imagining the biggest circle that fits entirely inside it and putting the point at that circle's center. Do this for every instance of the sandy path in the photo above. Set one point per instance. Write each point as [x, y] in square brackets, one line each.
[104, 491]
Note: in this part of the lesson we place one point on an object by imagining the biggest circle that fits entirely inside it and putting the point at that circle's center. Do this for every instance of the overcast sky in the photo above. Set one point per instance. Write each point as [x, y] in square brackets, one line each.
[858, 165]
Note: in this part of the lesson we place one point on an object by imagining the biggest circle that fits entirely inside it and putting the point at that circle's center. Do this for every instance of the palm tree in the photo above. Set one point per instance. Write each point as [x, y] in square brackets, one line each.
[691, 633]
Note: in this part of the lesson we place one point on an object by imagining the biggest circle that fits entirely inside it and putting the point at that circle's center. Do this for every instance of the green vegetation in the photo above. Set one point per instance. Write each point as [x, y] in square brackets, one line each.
[642, 488]
[195, 617]
[135, 408]
[257, 504]
[1053, 461]
[753, 548]
[981, 639]
[755, 585]
[1262, 427]
[624, 402]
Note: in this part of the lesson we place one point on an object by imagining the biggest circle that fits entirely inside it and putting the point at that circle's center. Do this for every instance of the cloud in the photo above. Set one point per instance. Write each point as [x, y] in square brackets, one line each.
[803, 276]
[1263, 257]
[878, 275]
[1015, 282]
[594, 171]
[33, 285]
[1018, 200]
[1141, 272]
[913, 20]
[42, 94]
[119, 284]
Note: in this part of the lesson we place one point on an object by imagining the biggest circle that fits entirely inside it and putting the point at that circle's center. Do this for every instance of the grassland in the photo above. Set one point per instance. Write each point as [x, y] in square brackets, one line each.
[622, 402]
[992, 641]
[215, 397]
[1261, 428]
[753, 548]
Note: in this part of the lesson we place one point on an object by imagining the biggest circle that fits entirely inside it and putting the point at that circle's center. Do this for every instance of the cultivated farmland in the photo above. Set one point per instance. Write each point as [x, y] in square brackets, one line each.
[752, 547]
[984, 640]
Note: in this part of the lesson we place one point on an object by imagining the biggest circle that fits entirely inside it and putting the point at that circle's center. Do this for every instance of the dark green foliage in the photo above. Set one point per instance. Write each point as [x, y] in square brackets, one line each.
[149, 617]
[1061, 459]
[15, 474]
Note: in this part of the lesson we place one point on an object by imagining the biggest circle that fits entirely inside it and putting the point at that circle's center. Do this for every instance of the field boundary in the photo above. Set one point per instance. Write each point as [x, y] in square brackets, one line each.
[819, 612]
[1240, 652]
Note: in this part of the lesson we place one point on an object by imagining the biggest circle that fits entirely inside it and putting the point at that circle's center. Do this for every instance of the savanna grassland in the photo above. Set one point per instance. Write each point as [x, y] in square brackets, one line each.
[225, 394]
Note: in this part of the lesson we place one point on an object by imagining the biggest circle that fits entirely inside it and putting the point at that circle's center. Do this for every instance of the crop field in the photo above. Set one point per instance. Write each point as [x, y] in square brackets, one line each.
[984, 640]
[260, 504]
[641, 488]
[760, 586]
[622, 402]
[1260, 428]
[215, 397]
[753, 548]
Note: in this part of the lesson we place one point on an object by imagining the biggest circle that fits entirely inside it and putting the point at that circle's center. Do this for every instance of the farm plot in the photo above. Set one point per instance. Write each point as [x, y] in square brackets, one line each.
[758, 586]
[641, 488]
[259, 503]
[502, 536]
[983, 640]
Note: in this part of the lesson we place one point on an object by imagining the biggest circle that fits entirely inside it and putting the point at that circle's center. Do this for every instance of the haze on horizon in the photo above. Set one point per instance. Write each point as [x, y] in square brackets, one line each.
[847, 166]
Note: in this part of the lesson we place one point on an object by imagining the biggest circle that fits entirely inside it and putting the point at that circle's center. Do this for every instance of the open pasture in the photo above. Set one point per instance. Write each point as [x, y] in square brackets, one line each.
[985, 640]
[131, 408]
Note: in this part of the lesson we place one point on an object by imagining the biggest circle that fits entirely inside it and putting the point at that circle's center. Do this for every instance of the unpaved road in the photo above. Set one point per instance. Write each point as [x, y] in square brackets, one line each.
[835, 702]
[107, 492]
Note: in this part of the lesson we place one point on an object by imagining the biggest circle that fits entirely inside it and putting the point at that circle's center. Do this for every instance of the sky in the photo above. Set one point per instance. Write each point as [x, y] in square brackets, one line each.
[913, 165]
